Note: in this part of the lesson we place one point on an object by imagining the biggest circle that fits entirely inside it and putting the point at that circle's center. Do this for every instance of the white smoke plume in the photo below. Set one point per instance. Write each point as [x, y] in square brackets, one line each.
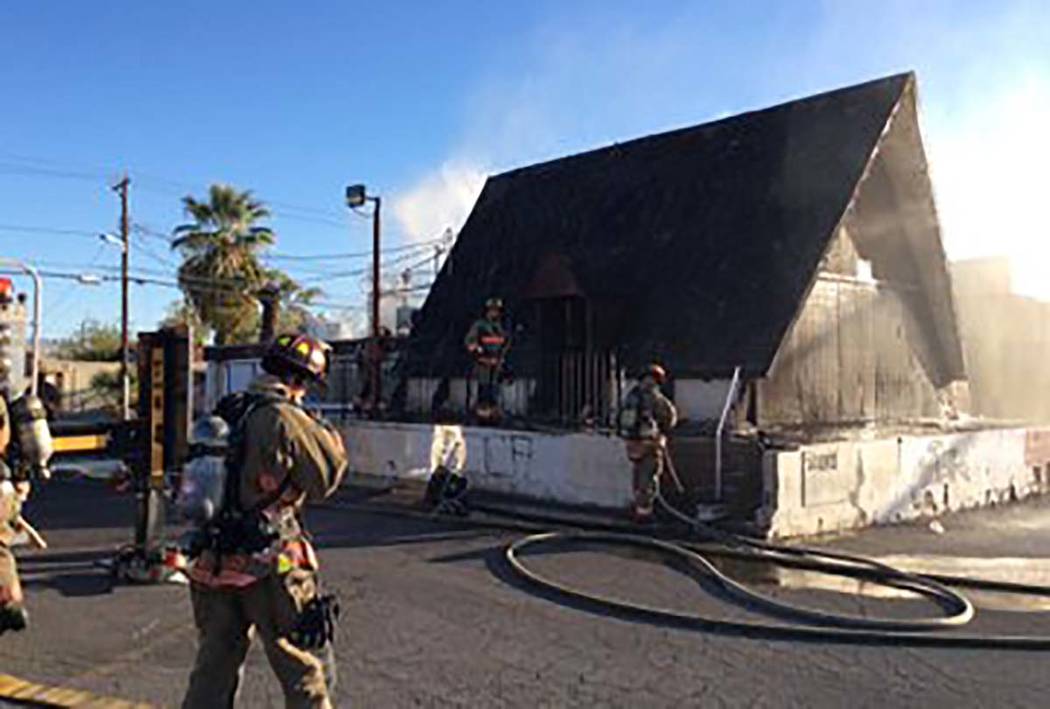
[988, 171]
[984, 86]
[440, 200]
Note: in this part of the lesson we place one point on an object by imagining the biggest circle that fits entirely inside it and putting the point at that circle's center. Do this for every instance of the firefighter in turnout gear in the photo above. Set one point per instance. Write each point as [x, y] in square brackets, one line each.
[487, 344]
[645, 419]
[252, 564]
[12, 494]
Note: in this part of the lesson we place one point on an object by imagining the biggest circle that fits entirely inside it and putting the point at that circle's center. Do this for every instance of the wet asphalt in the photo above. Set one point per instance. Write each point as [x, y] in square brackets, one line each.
[432, 619]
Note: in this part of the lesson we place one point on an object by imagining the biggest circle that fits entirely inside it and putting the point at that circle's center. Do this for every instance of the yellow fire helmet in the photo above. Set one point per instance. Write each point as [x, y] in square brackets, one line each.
[299, 355]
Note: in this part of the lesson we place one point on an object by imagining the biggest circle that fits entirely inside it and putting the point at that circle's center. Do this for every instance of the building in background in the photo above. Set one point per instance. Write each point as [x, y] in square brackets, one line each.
[1006, 339]
[72, 384]
[232, 368]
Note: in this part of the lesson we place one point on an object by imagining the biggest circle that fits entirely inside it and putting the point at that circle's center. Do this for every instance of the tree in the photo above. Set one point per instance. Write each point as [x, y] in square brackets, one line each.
[294, 299]
[220, 271]
[107, 388]
[94, 342]
[182, 312]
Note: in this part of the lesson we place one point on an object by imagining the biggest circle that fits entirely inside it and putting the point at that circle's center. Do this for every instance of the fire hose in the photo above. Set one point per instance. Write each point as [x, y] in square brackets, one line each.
[694, 557]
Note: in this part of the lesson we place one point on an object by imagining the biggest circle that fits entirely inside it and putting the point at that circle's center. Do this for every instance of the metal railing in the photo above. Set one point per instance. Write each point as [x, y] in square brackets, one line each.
[578, 387]
[726, 408]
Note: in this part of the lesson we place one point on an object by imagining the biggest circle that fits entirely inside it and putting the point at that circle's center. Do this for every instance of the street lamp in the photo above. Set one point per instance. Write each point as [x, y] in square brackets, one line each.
[125, 379]
[356, 196]
[111, 239]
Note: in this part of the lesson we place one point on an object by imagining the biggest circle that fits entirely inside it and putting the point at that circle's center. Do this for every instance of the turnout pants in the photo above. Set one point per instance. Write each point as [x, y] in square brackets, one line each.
[647, 465]
[225, 619]
[487, 378]
[10, 588]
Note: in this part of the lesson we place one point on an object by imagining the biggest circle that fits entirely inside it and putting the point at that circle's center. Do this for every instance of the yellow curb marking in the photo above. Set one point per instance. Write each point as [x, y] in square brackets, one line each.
[42, 695]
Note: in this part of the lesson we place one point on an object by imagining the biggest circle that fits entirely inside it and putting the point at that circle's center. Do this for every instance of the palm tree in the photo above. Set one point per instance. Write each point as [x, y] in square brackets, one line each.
[220, 271]
[295, 299]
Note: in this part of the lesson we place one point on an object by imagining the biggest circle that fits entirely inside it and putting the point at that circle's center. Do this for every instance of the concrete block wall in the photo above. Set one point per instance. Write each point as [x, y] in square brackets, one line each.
[583, 469]
[816, 489]
[845, 485]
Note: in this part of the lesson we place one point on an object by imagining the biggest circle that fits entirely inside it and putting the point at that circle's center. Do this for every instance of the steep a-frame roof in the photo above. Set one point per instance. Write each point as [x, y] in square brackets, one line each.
[706, 238]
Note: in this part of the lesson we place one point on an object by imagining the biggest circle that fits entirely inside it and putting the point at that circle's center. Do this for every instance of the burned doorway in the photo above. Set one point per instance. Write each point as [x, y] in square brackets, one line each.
[576, 375]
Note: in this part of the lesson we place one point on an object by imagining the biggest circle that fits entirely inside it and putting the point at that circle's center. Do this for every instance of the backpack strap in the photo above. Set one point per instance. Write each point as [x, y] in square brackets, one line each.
[235, 461]
[273, 497]
[231, 504]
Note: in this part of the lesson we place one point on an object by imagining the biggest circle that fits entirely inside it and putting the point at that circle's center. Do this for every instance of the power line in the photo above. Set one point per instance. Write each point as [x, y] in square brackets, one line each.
[32, 171]
[183, 186]
[146, 250]
[144, 230]
[363, 270]
[47, 230]
[40, 167]
[146, 276]
[353, 254]
[408, 289]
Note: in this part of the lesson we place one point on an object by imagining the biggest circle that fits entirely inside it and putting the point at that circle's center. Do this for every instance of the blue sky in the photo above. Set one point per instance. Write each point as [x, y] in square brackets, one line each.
[422, 99]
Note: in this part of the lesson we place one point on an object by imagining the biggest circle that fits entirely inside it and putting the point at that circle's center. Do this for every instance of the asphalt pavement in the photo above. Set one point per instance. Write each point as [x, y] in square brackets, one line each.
[432, 619]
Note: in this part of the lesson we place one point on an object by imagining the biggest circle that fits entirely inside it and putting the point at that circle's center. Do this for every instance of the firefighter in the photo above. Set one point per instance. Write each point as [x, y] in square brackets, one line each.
[253, 566]
[12, 495]
[487, 344]
[26, 419]
[645, 419]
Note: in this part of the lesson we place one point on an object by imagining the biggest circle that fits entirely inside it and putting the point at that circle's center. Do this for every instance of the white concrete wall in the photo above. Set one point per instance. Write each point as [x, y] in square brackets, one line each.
[837, 486]
[583, 469]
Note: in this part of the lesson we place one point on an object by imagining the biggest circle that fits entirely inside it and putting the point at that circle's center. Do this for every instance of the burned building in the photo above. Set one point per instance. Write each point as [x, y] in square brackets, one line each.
[796, 247]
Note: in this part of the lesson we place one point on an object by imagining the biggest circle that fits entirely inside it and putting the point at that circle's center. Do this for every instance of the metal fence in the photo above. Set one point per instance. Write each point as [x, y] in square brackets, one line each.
[578, 387]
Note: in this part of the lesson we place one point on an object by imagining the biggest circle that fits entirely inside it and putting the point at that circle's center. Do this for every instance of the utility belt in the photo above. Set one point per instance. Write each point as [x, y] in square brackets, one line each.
[234, 533]
[488, 361]
[641, 448]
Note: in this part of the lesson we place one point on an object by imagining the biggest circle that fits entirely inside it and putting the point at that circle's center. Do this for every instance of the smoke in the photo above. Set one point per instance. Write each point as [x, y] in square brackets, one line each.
[440, 200]
[584, 80]
[988, 170]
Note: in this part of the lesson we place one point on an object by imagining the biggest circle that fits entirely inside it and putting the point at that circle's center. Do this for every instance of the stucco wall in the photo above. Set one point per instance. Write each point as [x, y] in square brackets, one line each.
[838, 486]
[581, 469]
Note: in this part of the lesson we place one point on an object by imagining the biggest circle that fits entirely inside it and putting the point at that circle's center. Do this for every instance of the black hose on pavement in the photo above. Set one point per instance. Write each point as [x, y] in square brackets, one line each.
[807, 624]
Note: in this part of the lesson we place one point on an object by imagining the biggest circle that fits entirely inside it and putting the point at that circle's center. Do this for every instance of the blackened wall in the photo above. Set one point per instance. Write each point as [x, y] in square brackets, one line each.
[850, 357]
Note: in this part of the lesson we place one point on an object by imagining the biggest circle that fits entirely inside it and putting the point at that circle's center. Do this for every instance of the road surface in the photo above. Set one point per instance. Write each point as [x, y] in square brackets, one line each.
[431, 620]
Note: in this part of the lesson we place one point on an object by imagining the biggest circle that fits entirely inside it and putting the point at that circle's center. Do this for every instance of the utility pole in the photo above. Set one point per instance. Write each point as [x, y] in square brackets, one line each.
[121, 188]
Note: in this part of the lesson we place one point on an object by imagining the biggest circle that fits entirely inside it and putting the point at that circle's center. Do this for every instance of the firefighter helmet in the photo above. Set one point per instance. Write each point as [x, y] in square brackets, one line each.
[494, 304]
[658, 373]
[297, 355]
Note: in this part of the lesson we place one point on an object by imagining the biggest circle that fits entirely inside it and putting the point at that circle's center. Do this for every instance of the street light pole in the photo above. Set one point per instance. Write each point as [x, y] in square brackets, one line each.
[122, 189]
[377, 370]
[356, 196]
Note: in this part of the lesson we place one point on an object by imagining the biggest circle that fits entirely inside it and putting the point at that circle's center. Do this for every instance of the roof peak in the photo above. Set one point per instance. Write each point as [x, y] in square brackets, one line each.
[902, 78]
